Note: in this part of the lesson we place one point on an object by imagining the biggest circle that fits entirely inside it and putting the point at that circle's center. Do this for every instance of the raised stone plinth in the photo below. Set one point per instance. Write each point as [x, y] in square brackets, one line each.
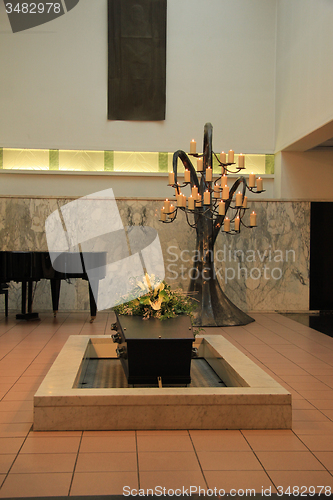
[251, 400]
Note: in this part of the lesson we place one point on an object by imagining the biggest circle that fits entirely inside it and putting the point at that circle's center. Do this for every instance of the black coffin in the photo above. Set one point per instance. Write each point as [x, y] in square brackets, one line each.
[152, 348]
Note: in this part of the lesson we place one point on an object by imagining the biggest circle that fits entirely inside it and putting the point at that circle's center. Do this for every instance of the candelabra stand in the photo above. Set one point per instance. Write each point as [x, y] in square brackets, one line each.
[206, 211]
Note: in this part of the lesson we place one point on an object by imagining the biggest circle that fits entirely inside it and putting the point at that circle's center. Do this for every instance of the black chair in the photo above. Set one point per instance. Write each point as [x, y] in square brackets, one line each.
[4, 290]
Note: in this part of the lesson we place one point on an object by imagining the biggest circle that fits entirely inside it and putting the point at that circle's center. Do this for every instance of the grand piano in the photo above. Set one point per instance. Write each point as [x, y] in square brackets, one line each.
[30, 267]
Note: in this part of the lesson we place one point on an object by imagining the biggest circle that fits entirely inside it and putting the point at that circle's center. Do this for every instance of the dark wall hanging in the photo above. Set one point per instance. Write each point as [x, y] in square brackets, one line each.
[137, 59]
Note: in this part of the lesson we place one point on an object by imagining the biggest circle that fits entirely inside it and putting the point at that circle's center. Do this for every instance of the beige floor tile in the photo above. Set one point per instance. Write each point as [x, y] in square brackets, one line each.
[168, 461]
[7, 417]
[318, 442]
[313, 395]
[6, 462]
[10, 445]
[117, 443]
[8, 381]
[44, 462]
[19, 396]
[21, 387]
[51, 445]
[162, 432]
[36, 485]
[286, 369]
[106, 462]
[288, 461]
[267, 432]
[326, 458]
[328, 413]
[234, 480]
[54, 434]
[323, 428]
[323, 404]
[171, 480]
[14, 430]
[6, 406]
[275, 443]
[164, 442]
[309, 416]
[296, 479]
[219, 441]
[103, 483]
[310, 386]
[302, 404]
[109, 433]
[228, 460]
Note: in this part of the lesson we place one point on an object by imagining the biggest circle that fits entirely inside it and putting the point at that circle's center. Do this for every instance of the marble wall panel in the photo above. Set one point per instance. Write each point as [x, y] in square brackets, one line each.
[263, 269]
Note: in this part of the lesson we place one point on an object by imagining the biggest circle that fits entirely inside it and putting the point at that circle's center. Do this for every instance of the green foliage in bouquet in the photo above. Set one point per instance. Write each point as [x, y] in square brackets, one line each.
[159, 301]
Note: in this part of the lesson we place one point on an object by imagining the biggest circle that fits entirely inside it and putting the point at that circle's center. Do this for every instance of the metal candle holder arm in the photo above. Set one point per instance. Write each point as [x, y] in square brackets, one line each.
[209, 211]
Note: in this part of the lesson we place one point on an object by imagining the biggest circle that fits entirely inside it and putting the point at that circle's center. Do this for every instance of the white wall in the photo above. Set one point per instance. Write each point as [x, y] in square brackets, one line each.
[220, 68]
[304, 176]
[304, 69]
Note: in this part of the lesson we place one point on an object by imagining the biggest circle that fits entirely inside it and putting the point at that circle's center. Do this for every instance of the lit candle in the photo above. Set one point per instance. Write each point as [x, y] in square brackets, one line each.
[259, 184]
[193, 146]
[226, 225]
[252, 180]
[245, 202]
[187, 176]
[172, 208]
[167, 206]
[216, 191]
[207, 198]
[195, 192]
[231, 156]
[224, 180]
[253, 219]
[223, 157]
[198, 200]
[241, 161]
[163, 215]
[225, 193]
[191, 203]
[184, 201]
[237, 223]
[209, 174]
[171, 178]
[239, 199]
[176, 190]
[221, 208]
[199, 165]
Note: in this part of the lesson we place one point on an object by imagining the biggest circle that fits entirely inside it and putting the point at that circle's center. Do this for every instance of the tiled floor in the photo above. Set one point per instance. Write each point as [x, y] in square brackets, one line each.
[103, 463]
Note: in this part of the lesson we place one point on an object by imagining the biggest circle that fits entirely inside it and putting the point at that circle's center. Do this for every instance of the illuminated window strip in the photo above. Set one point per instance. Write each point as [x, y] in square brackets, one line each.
[14, 159]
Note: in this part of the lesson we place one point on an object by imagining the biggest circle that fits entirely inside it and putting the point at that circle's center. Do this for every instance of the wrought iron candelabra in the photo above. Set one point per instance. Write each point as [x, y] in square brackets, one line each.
[206, 210]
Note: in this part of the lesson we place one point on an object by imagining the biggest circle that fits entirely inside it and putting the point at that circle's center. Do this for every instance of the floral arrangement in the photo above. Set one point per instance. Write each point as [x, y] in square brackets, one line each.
[158, 301]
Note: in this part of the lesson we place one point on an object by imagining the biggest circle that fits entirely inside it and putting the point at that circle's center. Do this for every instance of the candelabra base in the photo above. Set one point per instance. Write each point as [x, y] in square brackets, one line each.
[213, 306]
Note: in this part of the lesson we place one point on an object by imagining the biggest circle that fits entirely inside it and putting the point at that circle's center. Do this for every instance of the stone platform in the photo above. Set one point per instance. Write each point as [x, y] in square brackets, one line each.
[251, 400]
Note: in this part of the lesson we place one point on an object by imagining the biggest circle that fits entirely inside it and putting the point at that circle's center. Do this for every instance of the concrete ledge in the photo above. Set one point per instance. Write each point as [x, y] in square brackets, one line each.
[252, 400]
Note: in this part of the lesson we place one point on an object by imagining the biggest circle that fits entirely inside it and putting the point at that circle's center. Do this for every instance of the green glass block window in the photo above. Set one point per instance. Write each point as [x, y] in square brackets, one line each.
[269, 164]
[162, 162]
[109, 161]
[54, 159]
